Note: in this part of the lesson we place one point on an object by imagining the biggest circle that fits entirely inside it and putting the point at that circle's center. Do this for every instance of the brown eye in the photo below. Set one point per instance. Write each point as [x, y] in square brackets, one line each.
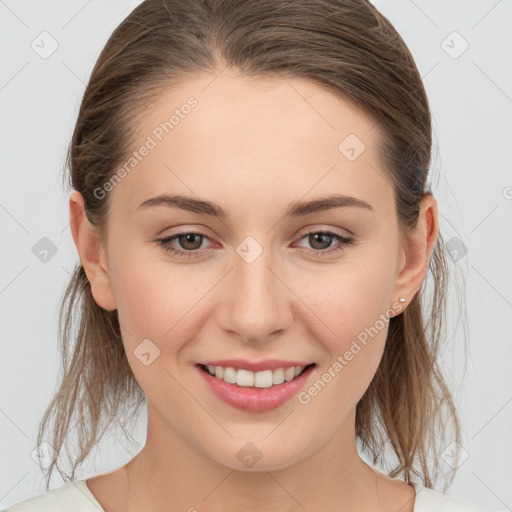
[188, 244]
[320, 241]
[190, 241]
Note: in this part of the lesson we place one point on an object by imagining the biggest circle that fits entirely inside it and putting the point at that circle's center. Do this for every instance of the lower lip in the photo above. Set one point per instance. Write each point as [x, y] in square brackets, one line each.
[255, 399]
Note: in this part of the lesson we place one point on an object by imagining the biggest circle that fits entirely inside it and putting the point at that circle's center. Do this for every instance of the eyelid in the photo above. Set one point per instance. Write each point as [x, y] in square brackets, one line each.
[315, 229]
[200, 230]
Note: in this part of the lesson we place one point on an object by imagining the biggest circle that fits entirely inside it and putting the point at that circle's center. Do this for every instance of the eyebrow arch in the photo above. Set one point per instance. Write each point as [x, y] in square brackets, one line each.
[296, 209]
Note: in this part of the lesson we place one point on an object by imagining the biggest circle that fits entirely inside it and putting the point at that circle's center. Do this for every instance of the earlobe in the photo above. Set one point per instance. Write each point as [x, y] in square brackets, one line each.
[417, 249]
[92, 253]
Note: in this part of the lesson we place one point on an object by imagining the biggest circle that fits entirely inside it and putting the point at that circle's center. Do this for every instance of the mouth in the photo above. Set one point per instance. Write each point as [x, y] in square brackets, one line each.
[255, 391]
[261, 379]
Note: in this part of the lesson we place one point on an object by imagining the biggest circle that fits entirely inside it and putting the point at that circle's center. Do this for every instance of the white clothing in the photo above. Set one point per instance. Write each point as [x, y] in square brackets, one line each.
[75, 496]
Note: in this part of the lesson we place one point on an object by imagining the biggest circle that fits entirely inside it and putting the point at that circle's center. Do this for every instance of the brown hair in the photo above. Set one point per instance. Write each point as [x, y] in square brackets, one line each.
[346, 46]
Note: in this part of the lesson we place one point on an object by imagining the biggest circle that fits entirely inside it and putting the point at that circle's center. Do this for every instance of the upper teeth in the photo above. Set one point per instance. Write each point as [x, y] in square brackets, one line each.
[263, 379]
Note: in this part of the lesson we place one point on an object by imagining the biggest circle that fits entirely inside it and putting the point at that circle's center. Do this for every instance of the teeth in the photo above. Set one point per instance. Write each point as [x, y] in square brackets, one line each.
[243, 377]
[229, 375]
[289, 374]
[263, 379]
[278, 376]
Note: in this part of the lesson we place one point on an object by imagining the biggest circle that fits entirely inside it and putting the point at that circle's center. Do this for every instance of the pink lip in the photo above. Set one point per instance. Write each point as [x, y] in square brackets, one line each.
[243, 364]
[255, 399]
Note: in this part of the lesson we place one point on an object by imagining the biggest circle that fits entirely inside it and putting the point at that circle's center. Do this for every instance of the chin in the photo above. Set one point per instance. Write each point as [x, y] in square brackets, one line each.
[258, 455]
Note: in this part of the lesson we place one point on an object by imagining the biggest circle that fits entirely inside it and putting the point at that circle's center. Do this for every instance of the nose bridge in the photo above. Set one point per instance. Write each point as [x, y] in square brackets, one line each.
[255, 305]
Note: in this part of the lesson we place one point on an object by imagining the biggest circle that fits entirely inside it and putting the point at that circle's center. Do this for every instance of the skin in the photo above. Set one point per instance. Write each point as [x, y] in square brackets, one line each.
[253, 146]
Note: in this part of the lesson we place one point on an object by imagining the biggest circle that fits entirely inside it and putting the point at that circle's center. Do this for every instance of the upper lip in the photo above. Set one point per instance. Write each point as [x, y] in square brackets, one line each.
[253, 366]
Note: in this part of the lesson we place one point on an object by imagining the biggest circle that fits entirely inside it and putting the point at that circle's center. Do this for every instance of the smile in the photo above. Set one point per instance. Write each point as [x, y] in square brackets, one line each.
[261, 379]
[255, 391]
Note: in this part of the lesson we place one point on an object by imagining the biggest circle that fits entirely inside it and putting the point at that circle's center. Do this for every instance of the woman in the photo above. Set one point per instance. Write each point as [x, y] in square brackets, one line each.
[254, 222]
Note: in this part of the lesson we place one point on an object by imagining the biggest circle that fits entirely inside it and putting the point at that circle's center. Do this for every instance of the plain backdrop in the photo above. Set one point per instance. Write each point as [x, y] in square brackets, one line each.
[462, 49]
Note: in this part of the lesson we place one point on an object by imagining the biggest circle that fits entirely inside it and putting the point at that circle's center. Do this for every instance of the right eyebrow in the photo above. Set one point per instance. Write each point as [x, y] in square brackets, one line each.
[190, 204]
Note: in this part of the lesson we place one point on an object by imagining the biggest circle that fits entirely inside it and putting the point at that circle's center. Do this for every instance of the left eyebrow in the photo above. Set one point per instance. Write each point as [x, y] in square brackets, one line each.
[300, 209]
[297, 209]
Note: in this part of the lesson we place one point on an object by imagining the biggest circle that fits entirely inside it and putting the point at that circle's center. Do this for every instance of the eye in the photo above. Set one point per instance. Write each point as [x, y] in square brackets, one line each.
[191, 242]
[321, 240]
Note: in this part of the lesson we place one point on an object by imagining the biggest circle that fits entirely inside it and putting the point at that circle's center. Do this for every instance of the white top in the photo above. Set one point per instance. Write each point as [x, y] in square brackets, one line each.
[75, 496]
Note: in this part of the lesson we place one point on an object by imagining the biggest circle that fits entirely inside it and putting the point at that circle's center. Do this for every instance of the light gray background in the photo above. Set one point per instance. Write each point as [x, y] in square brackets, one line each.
[471, 102]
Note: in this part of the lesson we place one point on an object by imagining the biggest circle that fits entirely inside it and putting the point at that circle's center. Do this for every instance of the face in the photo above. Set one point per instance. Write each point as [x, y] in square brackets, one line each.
[269, 281]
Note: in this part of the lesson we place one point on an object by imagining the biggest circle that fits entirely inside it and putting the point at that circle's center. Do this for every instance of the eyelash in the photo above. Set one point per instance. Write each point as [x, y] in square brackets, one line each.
[164, 243]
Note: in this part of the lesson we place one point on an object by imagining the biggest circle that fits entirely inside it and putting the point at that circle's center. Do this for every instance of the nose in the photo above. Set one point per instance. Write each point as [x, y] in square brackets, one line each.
[255, 302]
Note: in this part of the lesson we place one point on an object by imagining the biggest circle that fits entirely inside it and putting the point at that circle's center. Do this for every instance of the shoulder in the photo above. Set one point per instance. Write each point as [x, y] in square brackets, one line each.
[73, 495]
[429, 500]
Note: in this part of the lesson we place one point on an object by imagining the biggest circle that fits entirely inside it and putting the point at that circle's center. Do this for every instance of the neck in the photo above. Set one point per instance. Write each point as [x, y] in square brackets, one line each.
[169, 470]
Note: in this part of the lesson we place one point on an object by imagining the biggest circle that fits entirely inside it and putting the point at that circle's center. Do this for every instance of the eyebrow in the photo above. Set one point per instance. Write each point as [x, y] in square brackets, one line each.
[296, 209]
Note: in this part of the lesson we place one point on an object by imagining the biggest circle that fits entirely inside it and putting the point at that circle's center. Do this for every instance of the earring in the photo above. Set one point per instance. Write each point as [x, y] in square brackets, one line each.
[402, 299]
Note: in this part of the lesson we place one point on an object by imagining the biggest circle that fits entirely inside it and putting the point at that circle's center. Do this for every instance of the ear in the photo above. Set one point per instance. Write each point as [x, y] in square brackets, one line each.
[416, 249]
[92, 253]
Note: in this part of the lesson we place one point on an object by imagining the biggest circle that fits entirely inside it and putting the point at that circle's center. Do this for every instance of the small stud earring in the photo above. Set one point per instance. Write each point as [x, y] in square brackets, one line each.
[402, 299]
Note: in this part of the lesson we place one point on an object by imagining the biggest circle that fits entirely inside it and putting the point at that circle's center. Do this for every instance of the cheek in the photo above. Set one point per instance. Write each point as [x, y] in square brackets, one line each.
[157, 299]
[147, 303]
[155, 311]
[353, 304]
[354, 295]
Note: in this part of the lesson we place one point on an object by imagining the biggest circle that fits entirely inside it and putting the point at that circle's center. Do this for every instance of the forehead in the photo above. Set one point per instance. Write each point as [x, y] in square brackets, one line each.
[254, 136]
[258, 110]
